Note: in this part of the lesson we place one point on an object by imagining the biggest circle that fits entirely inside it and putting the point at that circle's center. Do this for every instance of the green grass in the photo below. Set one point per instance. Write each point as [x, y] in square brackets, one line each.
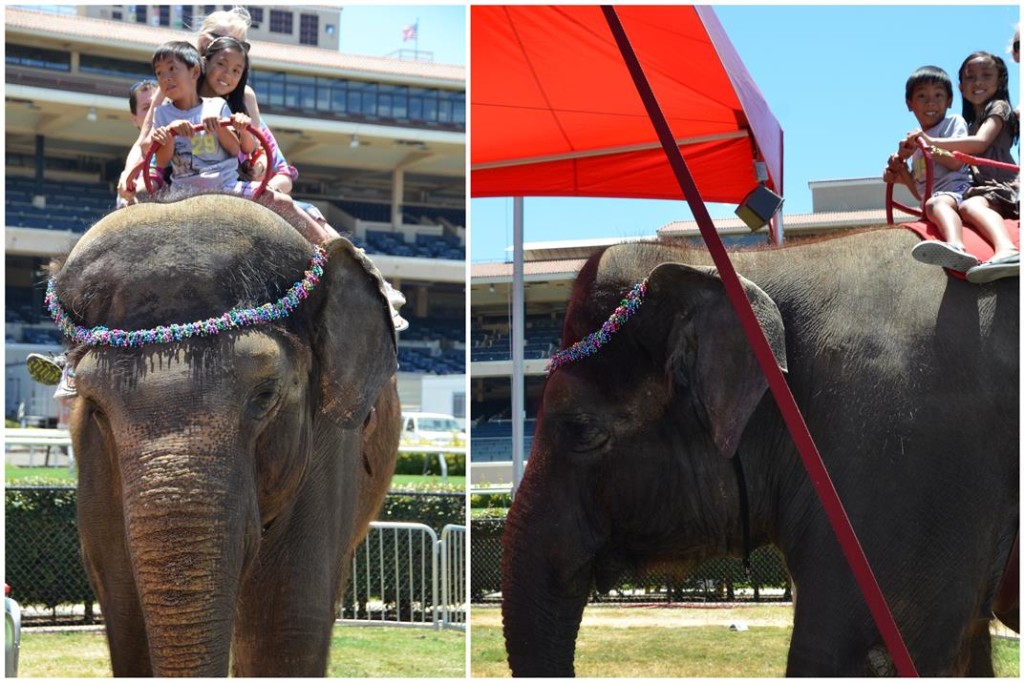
[61, 476]
[54, 475]
[355, 652]
[712, 651]
[433, 483]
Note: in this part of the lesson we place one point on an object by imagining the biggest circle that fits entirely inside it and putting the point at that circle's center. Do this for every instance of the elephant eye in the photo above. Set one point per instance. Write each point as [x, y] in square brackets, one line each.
[584, 433]
[263, 400]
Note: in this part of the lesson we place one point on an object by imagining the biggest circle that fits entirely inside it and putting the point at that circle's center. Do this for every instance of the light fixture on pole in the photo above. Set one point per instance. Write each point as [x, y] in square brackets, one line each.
[760, 204]
[91, 115]
[354, 142]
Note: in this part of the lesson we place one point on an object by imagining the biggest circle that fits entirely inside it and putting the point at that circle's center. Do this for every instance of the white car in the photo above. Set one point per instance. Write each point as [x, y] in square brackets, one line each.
[432, 428]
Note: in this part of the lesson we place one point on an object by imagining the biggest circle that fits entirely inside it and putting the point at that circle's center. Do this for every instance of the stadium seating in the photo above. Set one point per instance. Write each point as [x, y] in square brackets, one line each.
[491, 440]
[542, 337]
[68, 205]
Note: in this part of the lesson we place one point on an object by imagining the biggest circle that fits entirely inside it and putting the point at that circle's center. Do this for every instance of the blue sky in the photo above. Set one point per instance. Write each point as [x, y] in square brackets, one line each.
[834, 77]
[376, 30]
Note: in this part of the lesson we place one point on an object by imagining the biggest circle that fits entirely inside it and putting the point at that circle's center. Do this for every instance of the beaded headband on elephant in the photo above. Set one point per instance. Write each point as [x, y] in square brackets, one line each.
[236, 318]
[592, 343]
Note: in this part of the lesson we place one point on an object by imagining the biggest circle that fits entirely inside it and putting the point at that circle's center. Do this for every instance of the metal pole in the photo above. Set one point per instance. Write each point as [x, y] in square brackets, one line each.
[518, 414]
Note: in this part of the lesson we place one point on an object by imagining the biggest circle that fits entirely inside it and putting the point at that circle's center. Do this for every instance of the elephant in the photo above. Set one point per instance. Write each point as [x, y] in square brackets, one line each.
[224, 478]
[908, 381]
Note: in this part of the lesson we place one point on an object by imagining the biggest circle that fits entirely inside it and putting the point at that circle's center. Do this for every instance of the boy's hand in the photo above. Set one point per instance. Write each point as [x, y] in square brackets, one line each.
[183, 128]
[211, 124]
[894, 169]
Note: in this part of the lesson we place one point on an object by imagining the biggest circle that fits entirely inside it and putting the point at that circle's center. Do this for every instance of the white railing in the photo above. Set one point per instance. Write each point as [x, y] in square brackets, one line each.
[48, 439]
[396, 578]
[453, 577]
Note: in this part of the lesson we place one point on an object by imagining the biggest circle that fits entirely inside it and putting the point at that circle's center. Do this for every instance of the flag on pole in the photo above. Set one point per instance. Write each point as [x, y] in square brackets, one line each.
[409, 32]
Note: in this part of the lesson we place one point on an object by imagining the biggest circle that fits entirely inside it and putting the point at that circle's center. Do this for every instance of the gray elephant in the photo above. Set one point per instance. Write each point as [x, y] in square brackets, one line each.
[908, 381]
[226, 473]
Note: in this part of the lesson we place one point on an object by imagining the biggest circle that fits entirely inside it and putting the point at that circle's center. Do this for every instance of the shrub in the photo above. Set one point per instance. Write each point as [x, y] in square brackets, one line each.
[419, 463]
[42, 552]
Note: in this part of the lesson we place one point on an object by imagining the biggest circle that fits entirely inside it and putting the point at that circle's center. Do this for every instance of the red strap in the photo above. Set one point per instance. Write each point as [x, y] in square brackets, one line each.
[780, 389]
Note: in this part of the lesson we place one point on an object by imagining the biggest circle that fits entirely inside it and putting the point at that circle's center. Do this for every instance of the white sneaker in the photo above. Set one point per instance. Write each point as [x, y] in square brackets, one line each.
[395, 297]
[66, 387]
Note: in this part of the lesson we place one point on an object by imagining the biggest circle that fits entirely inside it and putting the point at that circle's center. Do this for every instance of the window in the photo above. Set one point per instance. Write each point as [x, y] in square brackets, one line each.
[256, 15]
[309, 29]
[281, 22]
[340, 97]
[116, 15]
[38, 58]
[119, 68]
[186, 17]
[164, 14]
[209, 9]
[140, 14]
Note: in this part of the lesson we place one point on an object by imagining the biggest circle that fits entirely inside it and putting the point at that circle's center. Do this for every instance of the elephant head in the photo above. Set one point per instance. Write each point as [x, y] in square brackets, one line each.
[631, 456]
[206, 460]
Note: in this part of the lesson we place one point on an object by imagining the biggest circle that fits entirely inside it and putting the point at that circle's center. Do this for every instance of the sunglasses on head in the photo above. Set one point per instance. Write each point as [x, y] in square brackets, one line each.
[217, 37]
[1016, 46]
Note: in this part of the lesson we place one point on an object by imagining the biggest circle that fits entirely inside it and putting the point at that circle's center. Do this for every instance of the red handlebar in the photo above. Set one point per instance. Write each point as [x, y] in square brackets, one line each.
[224, 122]
[929, 151]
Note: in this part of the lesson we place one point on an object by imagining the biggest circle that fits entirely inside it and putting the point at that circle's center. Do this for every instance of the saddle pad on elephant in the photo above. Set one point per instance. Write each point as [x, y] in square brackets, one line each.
[974, 243]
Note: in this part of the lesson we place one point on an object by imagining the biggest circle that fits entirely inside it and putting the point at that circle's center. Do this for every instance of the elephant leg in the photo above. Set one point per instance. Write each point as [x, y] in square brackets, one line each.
[106, 561]
[287, 604]
[112, 580]
[975, 656]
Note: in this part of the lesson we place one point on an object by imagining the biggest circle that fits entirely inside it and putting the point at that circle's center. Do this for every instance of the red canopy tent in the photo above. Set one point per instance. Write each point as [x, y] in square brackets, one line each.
[555, 111]
[589, 101]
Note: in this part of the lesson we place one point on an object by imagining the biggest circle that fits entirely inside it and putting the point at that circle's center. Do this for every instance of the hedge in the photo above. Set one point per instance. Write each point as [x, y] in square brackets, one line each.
[43, 555]
[412, 464]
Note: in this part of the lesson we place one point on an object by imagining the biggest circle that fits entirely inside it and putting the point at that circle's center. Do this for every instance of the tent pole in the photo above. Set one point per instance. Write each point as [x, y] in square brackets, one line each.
[518, 339]
[790, 411]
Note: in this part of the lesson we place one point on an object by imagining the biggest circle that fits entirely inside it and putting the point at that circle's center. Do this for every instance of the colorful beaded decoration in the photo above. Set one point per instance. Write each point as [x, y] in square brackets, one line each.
[236, 318]
[592, 343]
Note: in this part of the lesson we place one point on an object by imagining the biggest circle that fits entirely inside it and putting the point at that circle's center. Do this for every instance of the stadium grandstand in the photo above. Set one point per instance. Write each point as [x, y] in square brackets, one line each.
[379, 143]
[549, 271]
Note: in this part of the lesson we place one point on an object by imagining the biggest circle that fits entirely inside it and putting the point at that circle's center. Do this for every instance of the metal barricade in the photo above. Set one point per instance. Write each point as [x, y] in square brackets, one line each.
[394, 577]
[453, 577]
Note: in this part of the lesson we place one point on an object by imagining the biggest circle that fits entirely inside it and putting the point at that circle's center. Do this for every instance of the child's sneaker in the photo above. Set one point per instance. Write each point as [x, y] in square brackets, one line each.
[66, 388]
[396, 299]
[935, 252]
[46, 370]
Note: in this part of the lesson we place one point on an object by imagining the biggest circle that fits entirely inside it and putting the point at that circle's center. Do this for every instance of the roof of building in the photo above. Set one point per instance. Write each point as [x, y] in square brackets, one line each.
[564, 258]
[266, 53]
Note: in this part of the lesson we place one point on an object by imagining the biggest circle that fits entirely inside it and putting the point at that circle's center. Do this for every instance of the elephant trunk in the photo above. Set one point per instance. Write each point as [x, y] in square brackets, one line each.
[187, 524]
[545, 584]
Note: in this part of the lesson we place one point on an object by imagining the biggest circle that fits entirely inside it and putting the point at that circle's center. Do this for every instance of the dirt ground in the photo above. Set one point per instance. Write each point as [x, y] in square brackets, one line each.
[664, 615]
[680, 615]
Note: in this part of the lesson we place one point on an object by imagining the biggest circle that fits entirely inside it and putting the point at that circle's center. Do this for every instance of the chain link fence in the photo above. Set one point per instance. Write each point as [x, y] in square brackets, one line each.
[716, 580]
[43, 560]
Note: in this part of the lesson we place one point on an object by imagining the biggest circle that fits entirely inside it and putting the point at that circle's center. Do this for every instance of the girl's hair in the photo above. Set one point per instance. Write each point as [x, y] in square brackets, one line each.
[237, 18]
[1002, 90]
[929, 75]
[235, 98]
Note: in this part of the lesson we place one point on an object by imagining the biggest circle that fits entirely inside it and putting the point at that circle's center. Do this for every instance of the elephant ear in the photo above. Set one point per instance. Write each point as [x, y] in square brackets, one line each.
[708, 355]
[354, 338]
